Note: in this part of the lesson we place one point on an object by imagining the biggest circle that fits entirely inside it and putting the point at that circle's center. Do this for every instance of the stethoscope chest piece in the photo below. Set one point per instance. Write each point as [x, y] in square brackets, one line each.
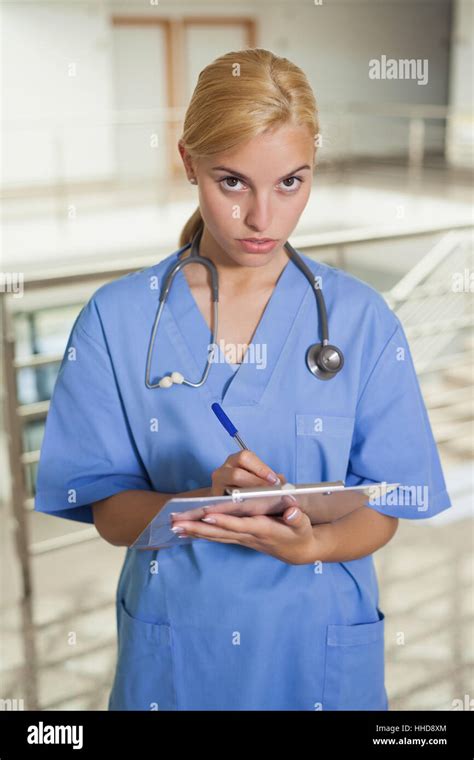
[324, 361]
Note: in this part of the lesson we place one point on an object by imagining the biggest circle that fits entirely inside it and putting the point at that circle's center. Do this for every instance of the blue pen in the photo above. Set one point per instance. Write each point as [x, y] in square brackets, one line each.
[229, 426]
[232, 430]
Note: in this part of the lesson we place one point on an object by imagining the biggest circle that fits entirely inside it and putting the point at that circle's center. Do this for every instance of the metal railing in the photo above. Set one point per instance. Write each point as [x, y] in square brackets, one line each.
[414, 115]
[432, 309]
[417, 286]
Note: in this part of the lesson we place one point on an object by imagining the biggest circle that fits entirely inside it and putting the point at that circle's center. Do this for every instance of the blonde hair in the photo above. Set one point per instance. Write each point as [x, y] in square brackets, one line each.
[238, 96]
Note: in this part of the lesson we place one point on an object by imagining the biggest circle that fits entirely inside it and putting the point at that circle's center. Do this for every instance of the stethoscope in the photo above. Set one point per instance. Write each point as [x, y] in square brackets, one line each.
[322, 359]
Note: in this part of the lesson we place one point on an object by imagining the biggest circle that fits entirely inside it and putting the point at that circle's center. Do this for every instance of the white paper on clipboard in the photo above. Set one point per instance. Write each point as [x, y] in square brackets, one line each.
[322, 502]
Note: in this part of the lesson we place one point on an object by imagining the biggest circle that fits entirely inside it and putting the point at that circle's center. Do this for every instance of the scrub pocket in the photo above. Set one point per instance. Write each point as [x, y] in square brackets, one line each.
[323, 445]
[355, 667]
[144, 678]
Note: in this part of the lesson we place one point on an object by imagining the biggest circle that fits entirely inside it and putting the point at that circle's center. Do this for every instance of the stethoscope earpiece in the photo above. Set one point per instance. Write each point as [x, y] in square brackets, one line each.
[168, 380]
[324, 361]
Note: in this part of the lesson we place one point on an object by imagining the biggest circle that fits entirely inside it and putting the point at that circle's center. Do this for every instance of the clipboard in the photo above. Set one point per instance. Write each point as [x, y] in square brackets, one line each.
[322, 502]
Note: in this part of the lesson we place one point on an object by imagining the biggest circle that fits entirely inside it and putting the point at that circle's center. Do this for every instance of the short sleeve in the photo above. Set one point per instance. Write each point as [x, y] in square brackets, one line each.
[393, 441]
[88, 452]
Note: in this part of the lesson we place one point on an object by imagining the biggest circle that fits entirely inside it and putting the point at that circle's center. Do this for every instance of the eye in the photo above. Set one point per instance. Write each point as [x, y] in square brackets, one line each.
[292, 188]
[232, 179]
[235, 187]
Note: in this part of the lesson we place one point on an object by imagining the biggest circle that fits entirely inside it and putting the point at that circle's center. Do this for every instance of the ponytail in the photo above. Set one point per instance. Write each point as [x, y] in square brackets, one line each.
[194, 223]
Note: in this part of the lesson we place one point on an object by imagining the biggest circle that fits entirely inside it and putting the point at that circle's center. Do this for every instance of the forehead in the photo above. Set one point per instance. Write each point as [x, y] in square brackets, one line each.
[277, 151]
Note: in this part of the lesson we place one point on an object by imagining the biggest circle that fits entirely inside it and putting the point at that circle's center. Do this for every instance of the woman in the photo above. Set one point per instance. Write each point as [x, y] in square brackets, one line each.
[261, 612]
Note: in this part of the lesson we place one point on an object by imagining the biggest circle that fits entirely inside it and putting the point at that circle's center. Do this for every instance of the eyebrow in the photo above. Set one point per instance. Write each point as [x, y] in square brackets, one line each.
[247, 179]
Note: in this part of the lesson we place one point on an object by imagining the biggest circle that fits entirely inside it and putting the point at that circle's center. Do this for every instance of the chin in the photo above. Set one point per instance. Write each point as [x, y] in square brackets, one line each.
[254, 259]
[242, 258]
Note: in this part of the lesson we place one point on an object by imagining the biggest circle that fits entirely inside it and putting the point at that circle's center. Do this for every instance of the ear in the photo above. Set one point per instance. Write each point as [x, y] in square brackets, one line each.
[186, 158]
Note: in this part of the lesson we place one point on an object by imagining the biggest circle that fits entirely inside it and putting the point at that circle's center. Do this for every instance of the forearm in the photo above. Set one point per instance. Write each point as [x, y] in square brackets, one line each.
[356, 535]
[122, 517]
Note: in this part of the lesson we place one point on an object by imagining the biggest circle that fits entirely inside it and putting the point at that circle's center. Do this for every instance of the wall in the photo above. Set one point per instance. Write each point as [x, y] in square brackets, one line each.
[58, 75]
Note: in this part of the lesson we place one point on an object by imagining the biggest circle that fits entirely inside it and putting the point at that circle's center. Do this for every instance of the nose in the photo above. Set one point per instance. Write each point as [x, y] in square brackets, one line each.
[259, 213]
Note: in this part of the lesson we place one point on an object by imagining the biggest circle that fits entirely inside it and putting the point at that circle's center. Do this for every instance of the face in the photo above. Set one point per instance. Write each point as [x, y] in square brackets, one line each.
[256, 191]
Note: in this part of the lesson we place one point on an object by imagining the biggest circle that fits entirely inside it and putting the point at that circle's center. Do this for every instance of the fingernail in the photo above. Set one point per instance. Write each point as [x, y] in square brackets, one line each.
[272, 478]
[292, 515]
[183, 535]
[209, 519]
[172, 514]
[177, 529]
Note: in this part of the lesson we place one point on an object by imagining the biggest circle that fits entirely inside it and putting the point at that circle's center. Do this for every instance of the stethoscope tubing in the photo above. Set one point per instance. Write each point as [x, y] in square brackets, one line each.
[196, 258]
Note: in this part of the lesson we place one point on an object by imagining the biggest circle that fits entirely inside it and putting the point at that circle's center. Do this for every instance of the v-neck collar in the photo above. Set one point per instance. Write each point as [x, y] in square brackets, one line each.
[242, 385]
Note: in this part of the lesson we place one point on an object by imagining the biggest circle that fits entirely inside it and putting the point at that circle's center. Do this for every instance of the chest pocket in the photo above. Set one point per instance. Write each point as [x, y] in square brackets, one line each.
[323, 445]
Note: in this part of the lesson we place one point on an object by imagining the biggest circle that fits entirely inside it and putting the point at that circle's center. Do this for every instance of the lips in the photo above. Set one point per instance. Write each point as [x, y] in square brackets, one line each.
[257, 245]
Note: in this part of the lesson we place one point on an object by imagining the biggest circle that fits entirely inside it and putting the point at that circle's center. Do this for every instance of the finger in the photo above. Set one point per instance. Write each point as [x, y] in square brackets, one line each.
[257, 526]
[249, 543]
[196, 513]
[199, 529]
[295, 517]
[248, 460]
[263, 531]
[238, 477]
[188, 514]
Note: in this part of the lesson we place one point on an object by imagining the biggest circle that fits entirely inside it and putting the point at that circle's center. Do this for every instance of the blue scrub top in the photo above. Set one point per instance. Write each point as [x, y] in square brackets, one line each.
[208, 625]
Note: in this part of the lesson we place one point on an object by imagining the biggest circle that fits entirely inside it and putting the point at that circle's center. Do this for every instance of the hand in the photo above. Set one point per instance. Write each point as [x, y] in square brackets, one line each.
[289, 537]
[242, 470]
